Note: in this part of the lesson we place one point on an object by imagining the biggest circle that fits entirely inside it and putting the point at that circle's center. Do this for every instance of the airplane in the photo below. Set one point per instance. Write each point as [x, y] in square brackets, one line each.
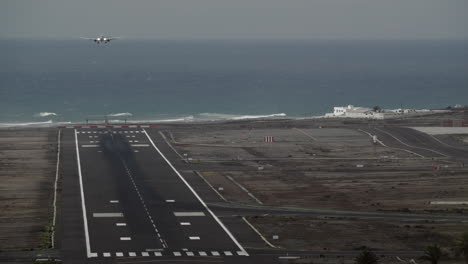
[101, 39]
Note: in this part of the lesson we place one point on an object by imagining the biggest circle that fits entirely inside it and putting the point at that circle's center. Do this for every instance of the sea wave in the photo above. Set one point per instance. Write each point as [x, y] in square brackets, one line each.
[44, 114]
[218, 116]
[48, 123]
[202, 117]
[121, 114]
[28, 124]
[148, 121]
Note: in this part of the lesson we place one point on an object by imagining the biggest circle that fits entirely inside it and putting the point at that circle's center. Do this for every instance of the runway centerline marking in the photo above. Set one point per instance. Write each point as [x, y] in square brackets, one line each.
[114, 201]
[185, 223]
[194, 237]
[197, 196]
[125, 238]
[89, 254]
[142, 201]
[170, 201]
[121, 224]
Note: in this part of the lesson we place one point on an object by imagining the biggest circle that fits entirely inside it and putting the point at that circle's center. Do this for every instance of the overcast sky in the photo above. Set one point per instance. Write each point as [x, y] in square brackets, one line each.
[188, 19]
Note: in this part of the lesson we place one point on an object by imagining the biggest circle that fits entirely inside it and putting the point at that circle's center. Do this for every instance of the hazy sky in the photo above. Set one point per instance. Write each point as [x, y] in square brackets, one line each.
[187, 19]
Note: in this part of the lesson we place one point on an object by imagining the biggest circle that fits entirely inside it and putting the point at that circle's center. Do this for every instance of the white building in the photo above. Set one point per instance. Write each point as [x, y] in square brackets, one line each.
[351, 111]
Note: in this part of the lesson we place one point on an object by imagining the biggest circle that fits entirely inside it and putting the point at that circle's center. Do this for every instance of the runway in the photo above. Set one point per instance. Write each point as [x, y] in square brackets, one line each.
[134, 203]
[421, 144]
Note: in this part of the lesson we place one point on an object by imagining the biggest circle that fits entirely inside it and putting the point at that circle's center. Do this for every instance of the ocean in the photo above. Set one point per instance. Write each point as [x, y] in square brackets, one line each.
[56, 81]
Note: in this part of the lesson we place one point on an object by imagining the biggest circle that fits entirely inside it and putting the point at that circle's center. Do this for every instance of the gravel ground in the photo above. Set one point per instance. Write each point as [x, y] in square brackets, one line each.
[27, 162]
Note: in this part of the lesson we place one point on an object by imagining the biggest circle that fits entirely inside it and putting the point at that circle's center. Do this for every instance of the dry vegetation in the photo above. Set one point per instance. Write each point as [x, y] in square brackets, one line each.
[27, 162]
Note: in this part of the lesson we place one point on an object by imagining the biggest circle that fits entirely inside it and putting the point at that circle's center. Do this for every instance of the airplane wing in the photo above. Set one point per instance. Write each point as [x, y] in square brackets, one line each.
[114, 38]
[87, 38]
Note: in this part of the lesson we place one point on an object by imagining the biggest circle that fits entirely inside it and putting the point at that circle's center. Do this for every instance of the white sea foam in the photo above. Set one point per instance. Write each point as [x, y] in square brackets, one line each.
[121, 114]
[28, 124]
[44, 114]
[181, 119]
[218, 116]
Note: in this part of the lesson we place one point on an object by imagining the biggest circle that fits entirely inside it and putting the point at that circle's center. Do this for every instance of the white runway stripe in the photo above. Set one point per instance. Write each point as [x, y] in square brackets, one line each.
[125, 238]
[202, 253]
[215, 253]
[106, 254]
[145, 254]
[132, 254]
[157, 254]
[108, 215]
[139, 145]
[185, 223]
[177, 254]
[119, 254]
[194, 237]
[190, 254]
[89, 146]
[189, 213]
[121, 224]
[228, 253]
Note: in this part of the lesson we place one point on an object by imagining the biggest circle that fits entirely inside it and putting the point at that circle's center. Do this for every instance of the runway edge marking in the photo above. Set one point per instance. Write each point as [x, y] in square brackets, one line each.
[83, 205]
[198, 197]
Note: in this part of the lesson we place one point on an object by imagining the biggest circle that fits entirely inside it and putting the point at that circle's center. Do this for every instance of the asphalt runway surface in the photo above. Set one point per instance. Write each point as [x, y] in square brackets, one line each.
[424, 145]
[123, 199]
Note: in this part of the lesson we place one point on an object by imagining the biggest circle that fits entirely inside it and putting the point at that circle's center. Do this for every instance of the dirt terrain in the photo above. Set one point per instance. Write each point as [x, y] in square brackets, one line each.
[354, 234]
[329, 165]
[27, 174]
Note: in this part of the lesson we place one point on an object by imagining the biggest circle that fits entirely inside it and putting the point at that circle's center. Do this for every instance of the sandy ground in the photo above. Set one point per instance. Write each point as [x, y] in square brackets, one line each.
[27, 162]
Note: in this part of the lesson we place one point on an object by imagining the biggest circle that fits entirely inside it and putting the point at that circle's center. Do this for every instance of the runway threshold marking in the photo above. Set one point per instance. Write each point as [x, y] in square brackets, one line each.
[244, 253]
[89, 254]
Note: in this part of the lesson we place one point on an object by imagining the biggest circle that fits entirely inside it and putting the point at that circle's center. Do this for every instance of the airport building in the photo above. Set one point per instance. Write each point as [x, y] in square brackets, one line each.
[351, 111]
